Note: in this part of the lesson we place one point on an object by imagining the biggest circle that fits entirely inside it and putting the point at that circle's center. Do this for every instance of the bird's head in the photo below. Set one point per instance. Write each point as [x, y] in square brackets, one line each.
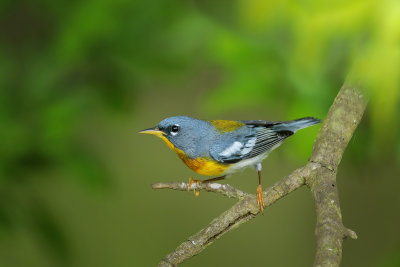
[183, 133]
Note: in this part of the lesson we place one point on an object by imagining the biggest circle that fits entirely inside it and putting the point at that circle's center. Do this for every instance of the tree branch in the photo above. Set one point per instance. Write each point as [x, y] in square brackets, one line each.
[241, 212]
[333, 137]
[319, 174]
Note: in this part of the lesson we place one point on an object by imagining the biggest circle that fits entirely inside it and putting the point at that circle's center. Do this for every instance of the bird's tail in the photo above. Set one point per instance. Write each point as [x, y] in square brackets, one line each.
[295, 125]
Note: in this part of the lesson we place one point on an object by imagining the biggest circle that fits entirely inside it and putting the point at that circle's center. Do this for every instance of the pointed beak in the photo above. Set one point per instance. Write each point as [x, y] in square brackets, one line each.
[154, 131]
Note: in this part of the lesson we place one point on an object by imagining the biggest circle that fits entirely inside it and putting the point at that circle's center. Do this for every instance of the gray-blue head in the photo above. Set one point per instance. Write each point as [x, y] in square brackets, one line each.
[184, 133]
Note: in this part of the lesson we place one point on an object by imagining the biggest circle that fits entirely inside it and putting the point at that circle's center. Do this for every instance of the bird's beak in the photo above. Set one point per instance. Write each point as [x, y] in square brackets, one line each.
[154, 131]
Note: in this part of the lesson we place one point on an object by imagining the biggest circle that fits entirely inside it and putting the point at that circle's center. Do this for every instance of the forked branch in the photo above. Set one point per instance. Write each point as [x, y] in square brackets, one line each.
[319, 174]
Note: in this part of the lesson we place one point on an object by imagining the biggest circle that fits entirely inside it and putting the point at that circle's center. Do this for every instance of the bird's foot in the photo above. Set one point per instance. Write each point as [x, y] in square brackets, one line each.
[196, 190]
[260, 198]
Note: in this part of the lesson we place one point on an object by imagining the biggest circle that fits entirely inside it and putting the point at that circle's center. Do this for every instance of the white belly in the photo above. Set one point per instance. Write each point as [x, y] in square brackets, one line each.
[246, 163]
[249, 162]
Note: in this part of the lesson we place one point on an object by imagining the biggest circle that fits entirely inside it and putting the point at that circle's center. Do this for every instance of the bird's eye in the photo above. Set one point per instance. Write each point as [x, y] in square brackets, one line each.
[175, 129]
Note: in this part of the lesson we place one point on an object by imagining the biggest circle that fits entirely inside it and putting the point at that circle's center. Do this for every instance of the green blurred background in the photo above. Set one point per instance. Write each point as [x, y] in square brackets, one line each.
[78, 79]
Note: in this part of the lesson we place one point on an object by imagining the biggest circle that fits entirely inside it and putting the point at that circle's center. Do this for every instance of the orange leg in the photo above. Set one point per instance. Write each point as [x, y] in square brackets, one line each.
[196, 190]
[260, 194]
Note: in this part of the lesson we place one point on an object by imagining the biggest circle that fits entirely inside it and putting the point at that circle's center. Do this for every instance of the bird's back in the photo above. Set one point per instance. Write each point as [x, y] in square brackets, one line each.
[255, 139]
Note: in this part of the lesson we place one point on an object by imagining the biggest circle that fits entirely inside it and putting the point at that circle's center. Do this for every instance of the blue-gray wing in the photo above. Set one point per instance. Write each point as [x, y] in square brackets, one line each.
[236, 147]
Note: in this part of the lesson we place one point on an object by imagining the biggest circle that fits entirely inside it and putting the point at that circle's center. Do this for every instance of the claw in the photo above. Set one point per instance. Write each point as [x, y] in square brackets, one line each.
[196, 190]
[260, 198]
[191, 181]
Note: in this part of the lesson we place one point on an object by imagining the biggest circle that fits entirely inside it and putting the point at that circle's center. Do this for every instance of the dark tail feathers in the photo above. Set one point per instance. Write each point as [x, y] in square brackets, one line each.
[295, 125]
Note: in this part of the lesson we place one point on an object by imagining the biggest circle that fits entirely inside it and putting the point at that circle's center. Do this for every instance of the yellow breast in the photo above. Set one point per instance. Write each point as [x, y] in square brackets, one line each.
[203, 166]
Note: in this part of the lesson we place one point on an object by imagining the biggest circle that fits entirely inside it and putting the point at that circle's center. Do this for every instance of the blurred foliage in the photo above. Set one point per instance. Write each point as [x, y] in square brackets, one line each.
[303, 51]
[64, 63]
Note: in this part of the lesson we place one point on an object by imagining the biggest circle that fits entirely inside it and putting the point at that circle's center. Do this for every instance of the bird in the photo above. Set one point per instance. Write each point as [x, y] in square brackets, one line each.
[222, 147]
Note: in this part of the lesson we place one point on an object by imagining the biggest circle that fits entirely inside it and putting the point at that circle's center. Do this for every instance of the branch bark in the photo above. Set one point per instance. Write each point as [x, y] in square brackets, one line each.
[319, 174]
[333, 137]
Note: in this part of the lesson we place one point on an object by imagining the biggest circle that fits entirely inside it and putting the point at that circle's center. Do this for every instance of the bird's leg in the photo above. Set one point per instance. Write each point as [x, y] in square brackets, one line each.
[260, 194]
[197, 191]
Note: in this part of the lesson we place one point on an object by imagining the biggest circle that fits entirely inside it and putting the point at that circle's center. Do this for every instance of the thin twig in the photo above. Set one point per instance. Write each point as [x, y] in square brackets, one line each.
[226, 190]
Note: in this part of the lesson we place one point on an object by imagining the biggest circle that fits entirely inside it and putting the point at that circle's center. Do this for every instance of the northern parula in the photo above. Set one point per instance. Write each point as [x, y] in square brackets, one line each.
[222, 147]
